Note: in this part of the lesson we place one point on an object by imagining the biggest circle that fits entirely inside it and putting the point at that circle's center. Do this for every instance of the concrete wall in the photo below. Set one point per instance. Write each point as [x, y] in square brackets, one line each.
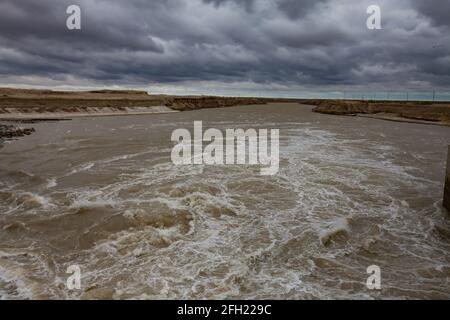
[447, 183]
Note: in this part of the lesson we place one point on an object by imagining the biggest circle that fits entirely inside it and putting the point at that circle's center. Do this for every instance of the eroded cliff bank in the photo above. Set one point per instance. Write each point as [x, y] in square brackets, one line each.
[446, 201]
[42, 104]
[46, 104]
[193, 103]
[419, 112]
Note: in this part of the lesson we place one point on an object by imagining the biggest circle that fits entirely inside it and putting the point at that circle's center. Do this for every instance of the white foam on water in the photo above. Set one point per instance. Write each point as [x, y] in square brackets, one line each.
[13, 285]
[337, 205]
[29, 201]
[51, 183]
[91, 199]
[336, 228]
[219, 260]
[82, 168]
[20, 272]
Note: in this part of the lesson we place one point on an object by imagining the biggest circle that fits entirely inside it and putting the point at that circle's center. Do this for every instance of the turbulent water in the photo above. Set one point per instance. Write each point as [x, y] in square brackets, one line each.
[103, 194]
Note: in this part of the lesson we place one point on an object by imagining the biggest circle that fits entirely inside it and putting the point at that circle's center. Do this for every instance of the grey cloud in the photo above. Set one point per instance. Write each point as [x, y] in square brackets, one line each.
[314, 43]
[437, 10]
[295, 9]
[247, 4]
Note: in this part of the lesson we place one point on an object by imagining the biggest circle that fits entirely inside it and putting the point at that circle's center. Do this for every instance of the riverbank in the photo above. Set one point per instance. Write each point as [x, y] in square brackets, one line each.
[412, 112]
[46, 104]
[23, 104]
[80, 112]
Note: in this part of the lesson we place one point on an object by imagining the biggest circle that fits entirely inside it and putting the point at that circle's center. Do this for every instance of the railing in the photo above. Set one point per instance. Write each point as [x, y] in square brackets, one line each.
[425, 96]
[446, 201]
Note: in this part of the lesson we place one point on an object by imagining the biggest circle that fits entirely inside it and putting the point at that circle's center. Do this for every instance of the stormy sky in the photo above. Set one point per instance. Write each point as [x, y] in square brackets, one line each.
[204, 46]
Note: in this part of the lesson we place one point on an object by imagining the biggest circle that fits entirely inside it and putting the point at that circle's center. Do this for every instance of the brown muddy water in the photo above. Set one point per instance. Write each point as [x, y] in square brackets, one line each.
[103, 194]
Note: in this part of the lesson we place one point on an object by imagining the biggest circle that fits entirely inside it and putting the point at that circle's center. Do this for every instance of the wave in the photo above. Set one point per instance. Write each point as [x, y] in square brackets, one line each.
[335, 230]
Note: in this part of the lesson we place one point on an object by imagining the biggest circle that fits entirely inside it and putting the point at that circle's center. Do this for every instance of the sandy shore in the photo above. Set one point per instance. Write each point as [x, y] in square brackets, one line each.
[411, 112]
[44, 104]
[16, 114]
[21, 104]
[390, 117]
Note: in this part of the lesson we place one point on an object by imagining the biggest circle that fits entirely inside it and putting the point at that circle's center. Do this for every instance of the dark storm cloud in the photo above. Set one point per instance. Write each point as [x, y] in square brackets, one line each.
[437, 10]
[291, 8]
[295, 9]
[247, 4]
[287, 42]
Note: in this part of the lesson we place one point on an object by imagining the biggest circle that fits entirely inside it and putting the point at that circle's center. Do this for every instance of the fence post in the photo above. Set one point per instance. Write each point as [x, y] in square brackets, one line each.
[446, 202]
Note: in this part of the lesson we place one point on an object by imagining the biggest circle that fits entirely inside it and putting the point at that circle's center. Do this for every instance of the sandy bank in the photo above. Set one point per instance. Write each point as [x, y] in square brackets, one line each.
[46, 104]
[390, 117]
[20, 114]
[413, 112]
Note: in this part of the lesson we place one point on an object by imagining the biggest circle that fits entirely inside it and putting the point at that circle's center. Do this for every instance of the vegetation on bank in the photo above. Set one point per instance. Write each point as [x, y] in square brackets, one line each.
[422, 111]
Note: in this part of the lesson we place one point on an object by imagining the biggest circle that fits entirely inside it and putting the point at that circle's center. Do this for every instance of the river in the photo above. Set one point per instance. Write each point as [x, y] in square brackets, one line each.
[102, 193]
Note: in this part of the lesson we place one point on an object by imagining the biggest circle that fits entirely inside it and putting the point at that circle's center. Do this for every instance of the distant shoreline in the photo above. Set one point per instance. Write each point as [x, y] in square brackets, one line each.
[412, 112]
[38, 104]
[400, 119]
[32, 104]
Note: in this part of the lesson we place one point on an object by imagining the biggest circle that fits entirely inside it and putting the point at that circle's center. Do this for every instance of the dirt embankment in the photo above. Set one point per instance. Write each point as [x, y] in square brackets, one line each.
[25, 102]
[438, 113]
[45, 104]
[35, 103]
[193, 103]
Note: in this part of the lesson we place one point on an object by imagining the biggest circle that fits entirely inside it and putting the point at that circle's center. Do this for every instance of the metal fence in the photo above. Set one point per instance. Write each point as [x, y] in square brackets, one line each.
[425, 96]
[431, 96]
